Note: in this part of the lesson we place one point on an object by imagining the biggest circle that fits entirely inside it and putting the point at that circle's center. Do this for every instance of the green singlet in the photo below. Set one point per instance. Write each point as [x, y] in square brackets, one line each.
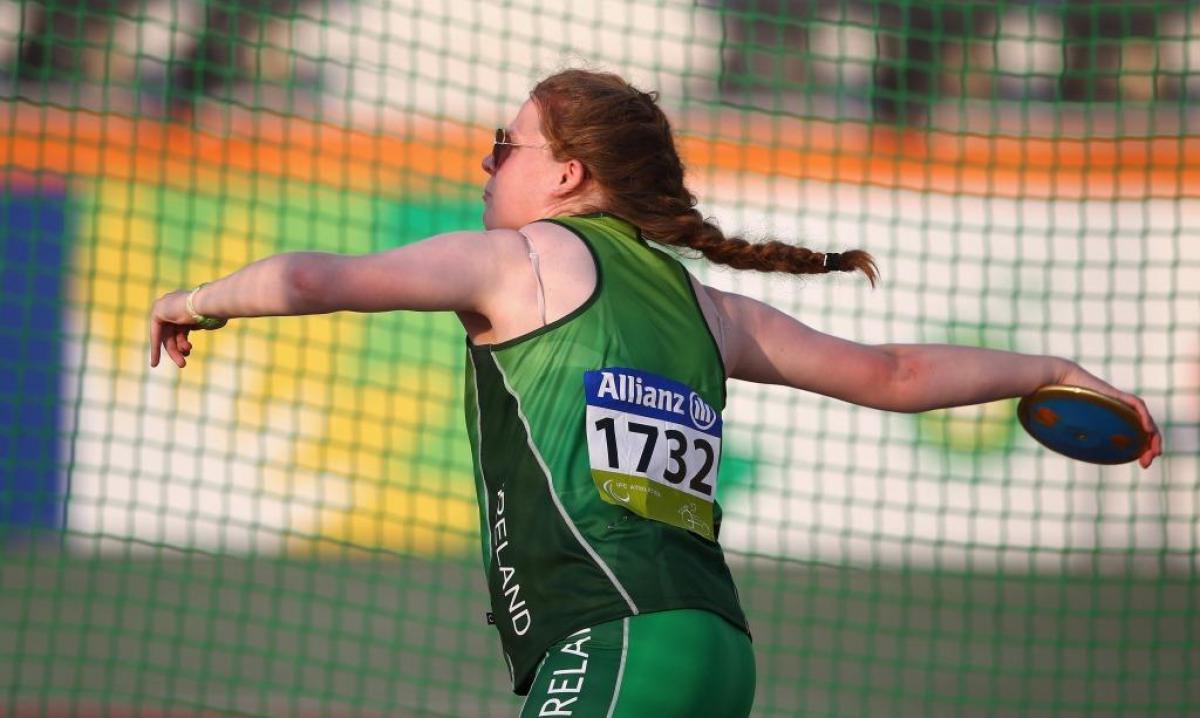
[671, 664]
[597, 443]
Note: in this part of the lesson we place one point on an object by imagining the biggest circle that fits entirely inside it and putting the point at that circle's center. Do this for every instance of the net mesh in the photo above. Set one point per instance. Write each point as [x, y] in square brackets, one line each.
[287, 526]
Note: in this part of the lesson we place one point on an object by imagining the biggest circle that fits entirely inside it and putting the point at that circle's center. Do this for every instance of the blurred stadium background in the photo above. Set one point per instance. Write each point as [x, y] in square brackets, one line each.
[287, 527]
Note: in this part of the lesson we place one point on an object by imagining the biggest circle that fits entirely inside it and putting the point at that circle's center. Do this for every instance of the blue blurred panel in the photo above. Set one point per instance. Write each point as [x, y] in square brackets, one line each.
[33, 245]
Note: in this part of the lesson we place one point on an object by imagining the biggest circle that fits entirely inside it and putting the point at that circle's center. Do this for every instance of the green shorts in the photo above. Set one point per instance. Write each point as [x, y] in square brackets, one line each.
[672, 663]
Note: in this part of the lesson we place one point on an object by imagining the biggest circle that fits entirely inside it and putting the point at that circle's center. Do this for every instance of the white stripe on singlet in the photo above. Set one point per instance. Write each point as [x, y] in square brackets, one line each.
[562, 511]
[481, 479]
[621, 668]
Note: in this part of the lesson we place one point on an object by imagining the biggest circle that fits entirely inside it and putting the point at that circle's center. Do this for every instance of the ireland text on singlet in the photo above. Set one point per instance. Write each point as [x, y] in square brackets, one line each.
[596, 442]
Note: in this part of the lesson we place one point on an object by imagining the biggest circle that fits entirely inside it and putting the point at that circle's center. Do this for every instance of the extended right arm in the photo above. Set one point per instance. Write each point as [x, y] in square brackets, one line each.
[458, 271]
[446, 272]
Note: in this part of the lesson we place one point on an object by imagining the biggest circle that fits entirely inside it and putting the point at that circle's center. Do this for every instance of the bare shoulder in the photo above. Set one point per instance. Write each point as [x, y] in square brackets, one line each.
[729, 299]
[504, 258]
[558, 248]
[499, 254]
[497, 244]
[727, 305]
[740, 313]
[557, 242]
[525, 294]
[567, 267]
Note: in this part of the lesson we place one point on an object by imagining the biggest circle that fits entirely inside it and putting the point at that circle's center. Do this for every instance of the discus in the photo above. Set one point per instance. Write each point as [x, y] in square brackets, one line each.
[1083, 424]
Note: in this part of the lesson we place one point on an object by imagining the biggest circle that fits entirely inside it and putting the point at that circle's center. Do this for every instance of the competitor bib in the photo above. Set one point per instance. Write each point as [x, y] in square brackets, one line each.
[654, 446]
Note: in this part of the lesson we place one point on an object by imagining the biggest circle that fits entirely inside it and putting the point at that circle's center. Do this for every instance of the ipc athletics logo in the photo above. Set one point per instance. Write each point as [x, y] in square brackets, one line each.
[703, 415]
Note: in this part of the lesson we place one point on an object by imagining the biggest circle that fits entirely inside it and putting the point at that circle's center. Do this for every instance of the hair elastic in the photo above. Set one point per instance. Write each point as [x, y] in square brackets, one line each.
[833, 261]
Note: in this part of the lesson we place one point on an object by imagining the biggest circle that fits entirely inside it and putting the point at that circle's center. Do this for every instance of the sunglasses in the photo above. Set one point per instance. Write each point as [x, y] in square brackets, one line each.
[503, 146]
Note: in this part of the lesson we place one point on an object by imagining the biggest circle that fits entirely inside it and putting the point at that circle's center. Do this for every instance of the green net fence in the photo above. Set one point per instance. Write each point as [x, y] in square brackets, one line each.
[287, 527]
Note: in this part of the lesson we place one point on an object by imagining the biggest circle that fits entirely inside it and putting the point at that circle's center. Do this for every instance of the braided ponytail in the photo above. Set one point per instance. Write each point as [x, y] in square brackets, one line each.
[707, 238]
[624, 140]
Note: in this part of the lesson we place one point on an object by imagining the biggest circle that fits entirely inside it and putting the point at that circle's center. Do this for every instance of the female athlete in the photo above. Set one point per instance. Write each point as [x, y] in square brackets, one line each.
[596, 370]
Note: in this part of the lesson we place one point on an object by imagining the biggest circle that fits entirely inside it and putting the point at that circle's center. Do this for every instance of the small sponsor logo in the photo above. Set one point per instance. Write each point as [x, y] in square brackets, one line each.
[703, 415]
[608, 488]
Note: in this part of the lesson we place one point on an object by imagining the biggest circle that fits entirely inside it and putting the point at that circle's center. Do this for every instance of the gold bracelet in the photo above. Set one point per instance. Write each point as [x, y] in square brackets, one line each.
[197, 318]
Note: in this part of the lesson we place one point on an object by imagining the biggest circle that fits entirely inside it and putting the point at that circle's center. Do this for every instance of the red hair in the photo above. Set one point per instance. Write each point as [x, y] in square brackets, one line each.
[624, 140]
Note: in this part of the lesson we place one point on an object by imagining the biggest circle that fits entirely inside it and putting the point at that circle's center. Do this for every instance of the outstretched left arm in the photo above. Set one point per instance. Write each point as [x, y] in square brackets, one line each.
[767, 346]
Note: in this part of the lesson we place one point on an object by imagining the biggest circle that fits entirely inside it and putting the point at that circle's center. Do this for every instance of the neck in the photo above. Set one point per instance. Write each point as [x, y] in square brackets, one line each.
[579, 203]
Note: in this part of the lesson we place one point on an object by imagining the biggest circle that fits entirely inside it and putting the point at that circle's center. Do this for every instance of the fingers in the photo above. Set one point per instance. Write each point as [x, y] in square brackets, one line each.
[167, 337]
[155, 341]
[172, 346]
[1154, 446]
[173, 338]
[1153, 450]
[182, 345]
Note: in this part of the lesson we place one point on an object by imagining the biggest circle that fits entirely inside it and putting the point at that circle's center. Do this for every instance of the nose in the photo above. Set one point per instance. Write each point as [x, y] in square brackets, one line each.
[488, 164]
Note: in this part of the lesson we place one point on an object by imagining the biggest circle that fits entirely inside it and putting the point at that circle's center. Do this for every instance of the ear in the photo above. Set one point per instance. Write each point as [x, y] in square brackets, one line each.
[571, 178]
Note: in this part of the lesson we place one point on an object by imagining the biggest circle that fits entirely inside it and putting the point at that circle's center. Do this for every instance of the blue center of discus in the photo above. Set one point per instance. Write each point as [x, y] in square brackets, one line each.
[1085, 430]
